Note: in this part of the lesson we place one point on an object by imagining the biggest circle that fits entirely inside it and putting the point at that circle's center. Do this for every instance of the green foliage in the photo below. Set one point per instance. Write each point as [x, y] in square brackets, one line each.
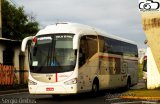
[15, 23]
[140, 72]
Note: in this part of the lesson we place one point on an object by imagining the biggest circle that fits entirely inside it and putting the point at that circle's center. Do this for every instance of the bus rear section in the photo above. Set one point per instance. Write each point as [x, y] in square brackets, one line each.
[52, 65]
[106, 63]
[145, 67]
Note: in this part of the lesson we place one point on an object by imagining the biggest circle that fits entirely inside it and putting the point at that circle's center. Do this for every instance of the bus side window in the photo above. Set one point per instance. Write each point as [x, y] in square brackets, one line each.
[83, 52]
[92, 45]
[145, 64]
[101, 44]
[88, 47]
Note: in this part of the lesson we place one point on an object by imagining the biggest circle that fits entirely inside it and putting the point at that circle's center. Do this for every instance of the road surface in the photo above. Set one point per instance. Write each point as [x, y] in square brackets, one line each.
[103, 98]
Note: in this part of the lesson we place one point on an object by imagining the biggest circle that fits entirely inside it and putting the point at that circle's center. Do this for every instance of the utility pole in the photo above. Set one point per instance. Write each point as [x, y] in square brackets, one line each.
[0, 18]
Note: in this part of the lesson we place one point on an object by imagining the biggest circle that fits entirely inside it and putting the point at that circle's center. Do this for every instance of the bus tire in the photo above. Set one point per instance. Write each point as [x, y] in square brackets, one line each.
[95, 87]
[55, 96]
[128, 83]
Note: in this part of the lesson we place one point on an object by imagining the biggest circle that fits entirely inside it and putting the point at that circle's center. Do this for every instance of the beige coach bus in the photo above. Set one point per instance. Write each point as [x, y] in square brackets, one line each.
[71, 58]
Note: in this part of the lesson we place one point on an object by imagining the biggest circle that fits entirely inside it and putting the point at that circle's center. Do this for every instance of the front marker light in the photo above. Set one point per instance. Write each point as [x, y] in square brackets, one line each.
[30, 82]
[72, 81]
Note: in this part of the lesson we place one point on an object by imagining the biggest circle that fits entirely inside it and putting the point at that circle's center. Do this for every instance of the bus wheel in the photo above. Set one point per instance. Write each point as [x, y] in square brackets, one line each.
[128, 83]
[55, 96]
[95, 88]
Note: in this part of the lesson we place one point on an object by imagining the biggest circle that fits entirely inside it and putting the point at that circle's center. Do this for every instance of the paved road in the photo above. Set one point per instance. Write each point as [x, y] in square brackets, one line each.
[103, 98]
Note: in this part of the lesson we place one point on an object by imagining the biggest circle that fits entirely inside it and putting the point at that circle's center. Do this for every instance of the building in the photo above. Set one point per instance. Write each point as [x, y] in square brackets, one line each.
[13, 64]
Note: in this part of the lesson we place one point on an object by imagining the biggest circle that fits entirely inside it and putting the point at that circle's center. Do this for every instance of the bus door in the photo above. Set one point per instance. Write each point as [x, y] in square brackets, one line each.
[87, 62]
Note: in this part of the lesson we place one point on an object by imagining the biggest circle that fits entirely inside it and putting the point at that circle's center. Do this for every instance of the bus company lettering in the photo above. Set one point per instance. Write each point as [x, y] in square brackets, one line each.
[64, 36]
[63, 75]
[45, 38]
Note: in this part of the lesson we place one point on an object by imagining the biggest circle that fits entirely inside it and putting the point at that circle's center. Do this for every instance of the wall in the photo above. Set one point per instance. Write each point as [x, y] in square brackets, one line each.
[6, 75]
[12, 74]
[153, 75]
[1, 53]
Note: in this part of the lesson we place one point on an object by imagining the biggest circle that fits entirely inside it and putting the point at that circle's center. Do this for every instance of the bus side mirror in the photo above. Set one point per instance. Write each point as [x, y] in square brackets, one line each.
[75, 52]
[24, 43]
[34, 51]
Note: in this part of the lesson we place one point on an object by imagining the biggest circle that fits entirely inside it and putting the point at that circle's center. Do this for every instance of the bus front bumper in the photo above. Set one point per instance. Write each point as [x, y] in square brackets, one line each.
[41, 89]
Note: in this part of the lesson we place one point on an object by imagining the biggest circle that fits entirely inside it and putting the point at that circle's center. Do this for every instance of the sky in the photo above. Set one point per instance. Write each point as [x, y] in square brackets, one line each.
[117, 17]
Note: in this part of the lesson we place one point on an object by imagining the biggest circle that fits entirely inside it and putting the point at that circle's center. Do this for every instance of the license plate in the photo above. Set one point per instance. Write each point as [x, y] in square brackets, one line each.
[49, 89]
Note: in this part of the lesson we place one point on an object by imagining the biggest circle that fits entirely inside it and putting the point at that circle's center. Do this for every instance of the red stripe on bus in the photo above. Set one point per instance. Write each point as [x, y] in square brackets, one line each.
[131, 59]
[117, 58]
[56, 77]
[108, 57]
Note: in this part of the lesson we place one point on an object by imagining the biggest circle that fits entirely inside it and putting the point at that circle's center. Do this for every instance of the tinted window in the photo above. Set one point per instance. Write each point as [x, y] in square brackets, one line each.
[114, 46]
[52, 53]
[88, 47]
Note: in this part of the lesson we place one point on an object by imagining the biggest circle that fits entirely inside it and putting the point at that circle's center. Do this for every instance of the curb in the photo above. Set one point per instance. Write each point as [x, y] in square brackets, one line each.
[13, 91]
[141, 98]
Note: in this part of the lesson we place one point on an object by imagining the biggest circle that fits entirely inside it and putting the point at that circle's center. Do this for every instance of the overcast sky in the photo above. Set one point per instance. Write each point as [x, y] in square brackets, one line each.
[117, 17]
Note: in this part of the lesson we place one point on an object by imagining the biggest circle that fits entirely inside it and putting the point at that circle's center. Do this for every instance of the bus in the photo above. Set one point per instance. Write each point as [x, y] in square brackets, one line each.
[71, 58]
[151, 74]
[145, 68]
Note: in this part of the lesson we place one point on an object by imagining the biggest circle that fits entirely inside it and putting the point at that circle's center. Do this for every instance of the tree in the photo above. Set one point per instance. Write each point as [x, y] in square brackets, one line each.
[15, 23]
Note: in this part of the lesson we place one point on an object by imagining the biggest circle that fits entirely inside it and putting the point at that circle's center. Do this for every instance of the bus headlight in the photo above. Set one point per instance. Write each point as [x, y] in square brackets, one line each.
[30, 82]
[72, 81]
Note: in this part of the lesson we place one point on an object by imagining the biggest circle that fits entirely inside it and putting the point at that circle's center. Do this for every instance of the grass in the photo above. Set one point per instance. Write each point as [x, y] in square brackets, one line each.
[142, 93]
[140, 72]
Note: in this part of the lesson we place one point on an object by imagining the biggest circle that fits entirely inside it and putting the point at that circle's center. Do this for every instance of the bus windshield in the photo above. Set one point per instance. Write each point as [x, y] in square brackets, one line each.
[52, 54]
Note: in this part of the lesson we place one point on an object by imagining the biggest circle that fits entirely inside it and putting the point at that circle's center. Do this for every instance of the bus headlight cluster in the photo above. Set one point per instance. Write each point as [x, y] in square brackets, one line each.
[72, 81]
[30, 82]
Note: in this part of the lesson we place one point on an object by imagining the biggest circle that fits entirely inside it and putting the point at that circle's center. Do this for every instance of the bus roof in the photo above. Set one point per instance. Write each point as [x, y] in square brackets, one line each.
[79, 29]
